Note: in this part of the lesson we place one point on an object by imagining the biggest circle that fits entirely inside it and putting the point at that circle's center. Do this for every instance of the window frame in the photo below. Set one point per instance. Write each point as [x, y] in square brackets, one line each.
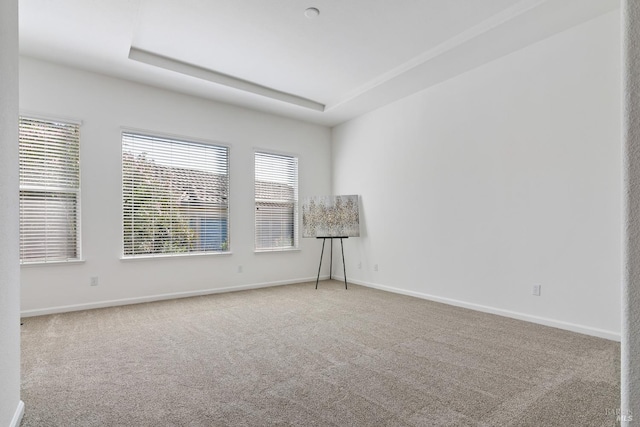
[296, 208]
[185, 140]
[27, 115]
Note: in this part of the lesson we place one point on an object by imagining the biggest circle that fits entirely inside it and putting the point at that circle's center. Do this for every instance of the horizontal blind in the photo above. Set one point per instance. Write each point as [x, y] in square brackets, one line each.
[276, 201]
[49, 190]
[175, 196]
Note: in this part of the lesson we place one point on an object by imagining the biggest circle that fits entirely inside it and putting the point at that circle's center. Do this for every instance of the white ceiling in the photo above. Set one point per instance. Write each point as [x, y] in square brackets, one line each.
[357, 55]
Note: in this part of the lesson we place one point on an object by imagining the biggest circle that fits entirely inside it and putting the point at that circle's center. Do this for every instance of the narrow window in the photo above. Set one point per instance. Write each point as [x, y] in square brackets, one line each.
[276, 202]
[174, 195]
[49, 191]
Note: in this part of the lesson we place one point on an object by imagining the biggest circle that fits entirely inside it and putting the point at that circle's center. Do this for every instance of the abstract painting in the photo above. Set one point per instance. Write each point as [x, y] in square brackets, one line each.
[330, 216]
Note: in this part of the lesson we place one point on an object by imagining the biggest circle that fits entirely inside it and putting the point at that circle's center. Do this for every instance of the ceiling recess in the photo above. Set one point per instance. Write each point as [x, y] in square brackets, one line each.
[177, 66]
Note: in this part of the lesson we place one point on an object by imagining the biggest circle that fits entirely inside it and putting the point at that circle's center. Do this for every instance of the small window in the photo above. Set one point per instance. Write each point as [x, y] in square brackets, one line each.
[276, 202]
[49, 190]
[175, 196]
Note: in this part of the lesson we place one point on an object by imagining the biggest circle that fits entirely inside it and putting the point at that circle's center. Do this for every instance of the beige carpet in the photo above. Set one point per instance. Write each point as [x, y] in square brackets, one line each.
[291, 355]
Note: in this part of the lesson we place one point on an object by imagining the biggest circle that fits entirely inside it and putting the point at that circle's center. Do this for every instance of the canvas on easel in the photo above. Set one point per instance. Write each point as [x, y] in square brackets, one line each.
[330, 216]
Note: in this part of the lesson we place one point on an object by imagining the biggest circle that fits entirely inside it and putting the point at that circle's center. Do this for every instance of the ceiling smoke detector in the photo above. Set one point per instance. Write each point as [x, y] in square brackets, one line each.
[311, 12]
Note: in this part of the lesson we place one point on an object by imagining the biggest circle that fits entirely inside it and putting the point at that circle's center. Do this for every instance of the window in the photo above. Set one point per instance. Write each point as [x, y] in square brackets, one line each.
[49, 190]
[276, 195]
[174, 195]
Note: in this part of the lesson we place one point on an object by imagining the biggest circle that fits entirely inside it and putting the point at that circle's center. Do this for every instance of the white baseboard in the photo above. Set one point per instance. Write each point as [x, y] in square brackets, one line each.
[487, 309]
[600, 333]
[17, 417]
[160, 297]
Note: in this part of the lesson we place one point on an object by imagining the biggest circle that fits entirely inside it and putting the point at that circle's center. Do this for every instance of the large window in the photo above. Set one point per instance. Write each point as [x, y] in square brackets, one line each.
[175, 196]
[276, 201]
[49, 190]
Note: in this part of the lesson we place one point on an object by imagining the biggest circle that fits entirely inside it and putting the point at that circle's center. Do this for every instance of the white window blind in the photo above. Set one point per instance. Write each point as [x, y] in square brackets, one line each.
[276, 202]
[175, 196]
[49, 190]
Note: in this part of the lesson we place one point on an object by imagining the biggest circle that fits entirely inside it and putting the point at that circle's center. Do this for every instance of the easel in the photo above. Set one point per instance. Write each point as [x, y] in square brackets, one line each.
[344, 268]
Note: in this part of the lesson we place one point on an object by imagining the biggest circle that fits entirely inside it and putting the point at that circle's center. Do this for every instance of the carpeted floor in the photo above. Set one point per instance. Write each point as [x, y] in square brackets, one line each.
[291, 355]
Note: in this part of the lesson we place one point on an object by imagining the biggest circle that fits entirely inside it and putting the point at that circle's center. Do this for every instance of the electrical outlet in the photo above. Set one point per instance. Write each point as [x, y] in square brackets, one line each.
[360, 265]
[239, 269]
[94, 281]
[536, 290]
[375, 267]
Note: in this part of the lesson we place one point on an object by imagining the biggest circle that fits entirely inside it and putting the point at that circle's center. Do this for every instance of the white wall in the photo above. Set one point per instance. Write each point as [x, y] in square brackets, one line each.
[105, 105]
[630, 347]
[11, 408]
[498, 179]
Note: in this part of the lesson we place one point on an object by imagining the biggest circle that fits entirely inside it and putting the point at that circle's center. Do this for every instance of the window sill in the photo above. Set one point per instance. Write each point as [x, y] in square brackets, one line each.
[51, 263]
[275, 251]
[128, 258]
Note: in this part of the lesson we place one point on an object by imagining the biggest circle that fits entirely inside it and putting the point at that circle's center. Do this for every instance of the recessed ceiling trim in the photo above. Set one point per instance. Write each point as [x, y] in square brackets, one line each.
[171, 64]
[483, 27]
